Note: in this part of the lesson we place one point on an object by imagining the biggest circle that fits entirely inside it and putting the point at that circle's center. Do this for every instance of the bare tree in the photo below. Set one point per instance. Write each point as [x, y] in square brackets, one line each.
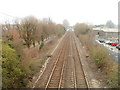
[39, 32]
[51, 28]
[60, 30]
[5, 28]
[27, 29]
[32, 30]
[66, 24]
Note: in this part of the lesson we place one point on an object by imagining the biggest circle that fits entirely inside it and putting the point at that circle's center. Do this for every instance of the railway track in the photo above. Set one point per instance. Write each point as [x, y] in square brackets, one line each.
[80, 75]
[65, 71]
[54, 80]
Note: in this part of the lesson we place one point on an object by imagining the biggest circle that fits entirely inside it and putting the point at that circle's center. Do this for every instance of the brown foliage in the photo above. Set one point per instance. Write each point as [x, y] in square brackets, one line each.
[14, 34]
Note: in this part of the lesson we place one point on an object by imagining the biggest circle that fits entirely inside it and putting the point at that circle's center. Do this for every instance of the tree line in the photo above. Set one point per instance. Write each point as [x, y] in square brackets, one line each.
[29, 31]
[33, 30]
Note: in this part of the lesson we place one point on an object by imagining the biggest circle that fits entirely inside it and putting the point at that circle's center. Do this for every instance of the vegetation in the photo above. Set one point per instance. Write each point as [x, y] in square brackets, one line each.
[110, 24]
[32, 30]
[99, 54]
[81, 28]
[41, 45]
[13, 75]
[20, 59]
[66, 24]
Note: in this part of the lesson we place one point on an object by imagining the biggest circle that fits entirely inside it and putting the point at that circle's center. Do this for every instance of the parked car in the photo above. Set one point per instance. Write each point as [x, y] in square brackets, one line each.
[109, 42]
[114, 43]
[101, 40]
[118, 46]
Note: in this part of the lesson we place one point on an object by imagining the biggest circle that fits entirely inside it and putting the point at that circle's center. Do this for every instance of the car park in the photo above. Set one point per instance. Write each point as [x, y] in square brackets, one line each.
[108, 41]
[111, 42]
[118, 46]
[101, 40]
[114, 43]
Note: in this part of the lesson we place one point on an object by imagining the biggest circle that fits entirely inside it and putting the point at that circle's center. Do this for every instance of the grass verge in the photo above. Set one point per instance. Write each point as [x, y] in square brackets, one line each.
[102, 59]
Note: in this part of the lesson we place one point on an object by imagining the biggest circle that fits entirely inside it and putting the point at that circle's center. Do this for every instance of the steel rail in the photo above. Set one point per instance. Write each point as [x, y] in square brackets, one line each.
[75, 75]
[53, 69]
[81, 63]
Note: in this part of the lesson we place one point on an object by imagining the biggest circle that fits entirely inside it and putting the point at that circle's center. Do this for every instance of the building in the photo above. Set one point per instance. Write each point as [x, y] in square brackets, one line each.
[106, 32]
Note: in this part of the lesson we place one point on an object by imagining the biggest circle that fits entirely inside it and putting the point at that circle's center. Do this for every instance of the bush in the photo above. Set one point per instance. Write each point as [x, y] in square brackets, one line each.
[81, 28]
[41, 45]
[99, 54]
[12, 74]
[18, 46]
[113, 75]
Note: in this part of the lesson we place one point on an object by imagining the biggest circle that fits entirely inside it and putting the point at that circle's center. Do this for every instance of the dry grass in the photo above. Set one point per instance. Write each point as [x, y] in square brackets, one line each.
[102, 59]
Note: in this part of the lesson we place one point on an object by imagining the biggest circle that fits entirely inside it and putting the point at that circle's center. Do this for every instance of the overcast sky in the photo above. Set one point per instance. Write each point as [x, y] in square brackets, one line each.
[89, 11]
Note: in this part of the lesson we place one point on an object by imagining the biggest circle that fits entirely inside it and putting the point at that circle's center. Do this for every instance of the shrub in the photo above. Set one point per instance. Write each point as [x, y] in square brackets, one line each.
[99, 54]
[81, 28]
[113, 75]
[41, 45]
[12, 74]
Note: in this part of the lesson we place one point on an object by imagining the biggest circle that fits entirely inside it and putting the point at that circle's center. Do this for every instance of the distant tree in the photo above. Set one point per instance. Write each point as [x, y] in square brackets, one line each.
[110, 24]
[5, 28]
[66, 24]
[81, 28]
[52, 28]
[60, 29]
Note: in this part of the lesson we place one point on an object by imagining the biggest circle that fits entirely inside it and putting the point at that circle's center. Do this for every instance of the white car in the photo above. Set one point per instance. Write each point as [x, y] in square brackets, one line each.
[108, 41]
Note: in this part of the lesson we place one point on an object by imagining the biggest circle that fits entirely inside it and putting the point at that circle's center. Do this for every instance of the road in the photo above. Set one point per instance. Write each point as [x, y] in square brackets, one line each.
[64, 69]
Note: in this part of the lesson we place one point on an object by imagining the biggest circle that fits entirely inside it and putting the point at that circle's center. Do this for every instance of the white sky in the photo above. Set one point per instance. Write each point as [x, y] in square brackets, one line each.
[91, 11]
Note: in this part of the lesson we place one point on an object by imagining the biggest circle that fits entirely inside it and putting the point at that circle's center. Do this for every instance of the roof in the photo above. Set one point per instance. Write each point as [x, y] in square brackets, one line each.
[107, 29]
